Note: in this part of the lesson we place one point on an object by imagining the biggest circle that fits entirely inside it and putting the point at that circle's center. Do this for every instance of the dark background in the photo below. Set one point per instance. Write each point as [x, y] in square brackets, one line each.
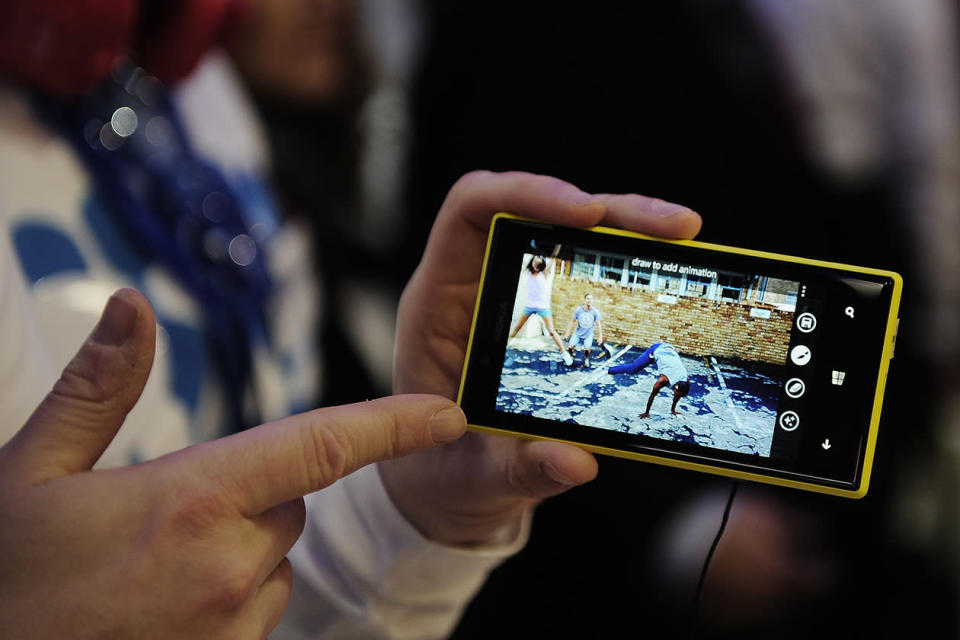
[683, 101]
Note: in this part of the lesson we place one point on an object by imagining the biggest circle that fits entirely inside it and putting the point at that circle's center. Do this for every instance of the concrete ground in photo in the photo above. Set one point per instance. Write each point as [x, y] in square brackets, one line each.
[731, 406]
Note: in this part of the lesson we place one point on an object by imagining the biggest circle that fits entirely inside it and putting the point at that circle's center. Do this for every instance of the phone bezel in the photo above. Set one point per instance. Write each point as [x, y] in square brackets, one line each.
[747, 260]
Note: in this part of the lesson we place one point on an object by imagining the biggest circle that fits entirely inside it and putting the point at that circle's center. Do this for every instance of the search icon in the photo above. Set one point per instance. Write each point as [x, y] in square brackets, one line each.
[849, 312]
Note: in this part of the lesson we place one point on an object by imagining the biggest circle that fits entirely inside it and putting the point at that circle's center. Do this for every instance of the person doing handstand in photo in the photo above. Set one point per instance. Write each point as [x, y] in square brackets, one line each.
[669, 366]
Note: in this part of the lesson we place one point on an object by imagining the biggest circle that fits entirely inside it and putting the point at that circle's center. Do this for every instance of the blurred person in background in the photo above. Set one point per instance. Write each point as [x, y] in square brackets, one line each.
[876, 91]
[825, 129]
[310, 72]
[130, 155]
[329, 79]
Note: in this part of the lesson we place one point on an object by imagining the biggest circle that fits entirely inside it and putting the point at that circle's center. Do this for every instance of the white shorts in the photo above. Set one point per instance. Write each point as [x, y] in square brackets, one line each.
[586, 340]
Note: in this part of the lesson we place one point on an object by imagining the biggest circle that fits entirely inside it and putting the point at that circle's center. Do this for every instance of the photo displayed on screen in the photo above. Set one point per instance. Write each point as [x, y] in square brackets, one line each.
[646, 346]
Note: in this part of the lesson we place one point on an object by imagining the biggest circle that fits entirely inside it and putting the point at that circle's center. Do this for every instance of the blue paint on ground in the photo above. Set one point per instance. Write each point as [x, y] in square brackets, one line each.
[741, 418]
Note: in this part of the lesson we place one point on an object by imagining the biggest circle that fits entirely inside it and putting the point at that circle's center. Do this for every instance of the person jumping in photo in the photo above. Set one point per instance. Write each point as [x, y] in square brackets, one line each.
[584, 321]
[536, 273]
[669, 366]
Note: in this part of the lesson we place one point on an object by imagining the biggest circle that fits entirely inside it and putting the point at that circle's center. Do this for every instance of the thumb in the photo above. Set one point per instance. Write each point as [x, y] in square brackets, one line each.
[73, 425]
[541, 469]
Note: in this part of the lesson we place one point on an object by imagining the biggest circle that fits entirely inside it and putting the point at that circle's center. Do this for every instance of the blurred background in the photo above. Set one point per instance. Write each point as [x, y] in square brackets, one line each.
[821, 128]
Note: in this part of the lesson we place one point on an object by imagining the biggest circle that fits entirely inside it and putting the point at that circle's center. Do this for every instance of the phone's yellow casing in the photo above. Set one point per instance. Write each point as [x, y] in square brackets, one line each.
[887, 355]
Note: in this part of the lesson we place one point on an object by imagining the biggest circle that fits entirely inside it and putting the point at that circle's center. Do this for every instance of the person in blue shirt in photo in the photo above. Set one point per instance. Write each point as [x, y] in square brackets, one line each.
[670, 367]
[584, 321]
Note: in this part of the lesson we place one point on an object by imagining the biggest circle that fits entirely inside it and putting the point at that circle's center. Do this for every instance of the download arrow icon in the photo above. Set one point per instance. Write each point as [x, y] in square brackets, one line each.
[826, 444]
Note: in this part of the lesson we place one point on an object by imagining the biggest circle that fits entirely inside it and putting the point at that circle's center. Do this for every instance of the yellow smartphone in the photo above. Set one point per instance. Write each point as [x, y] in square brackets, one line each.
[741, 363]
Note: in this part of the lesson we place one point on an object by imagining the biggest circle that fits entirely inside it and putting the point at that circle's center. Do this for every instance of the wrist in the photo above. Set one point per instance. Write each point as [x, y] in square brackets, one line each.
[466, 531]
[452, 527]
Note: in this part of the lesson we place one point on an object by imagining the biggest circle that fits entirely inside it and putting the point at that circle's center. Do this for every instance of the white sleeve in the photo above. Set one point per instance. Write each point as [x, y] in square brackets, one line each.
[362, 571]
[25, 369]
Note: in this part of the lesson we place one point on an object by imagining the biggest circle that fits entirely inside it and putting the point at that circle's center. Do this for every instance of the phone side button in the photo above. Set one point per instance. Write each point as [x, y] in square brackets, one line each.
[896, 332]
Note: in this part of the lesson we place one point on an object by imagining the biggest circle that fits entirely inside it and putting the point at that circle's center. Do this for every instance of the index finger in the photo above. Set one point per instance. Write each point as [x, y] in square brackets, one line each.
[459, 234]
[456, 243]
[279, 461]
[651, 216]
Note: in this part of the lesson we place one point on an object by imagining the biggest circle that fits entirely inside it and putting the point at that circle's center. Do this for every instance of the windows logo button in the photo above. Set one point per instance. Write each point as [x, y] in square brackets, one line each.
[837, 377]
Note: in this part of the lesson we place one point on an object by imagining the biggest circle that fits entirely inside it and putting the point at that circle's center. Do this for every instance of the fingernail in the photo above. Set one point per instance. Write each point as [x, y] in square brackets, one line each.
[551, 472]
[576, 196]
[116, 324]
[447, 425]
[664, 209]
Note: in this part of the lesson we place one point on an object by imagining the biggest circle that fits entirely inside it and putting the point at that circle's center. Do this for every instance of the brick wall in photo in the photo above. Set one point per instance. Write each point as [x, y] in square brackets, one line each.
[695, 326]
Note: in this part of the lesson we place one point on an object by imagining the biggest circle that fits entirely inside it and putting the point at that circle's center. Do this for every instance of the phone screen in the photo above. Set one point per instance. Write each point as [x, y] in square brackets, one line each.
[701, 355]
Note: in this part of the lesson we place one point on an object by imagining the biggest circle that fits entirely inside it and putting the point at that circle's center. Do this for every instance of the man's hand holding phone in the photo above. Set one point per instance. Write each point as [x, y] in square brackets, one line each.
[473, 491]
